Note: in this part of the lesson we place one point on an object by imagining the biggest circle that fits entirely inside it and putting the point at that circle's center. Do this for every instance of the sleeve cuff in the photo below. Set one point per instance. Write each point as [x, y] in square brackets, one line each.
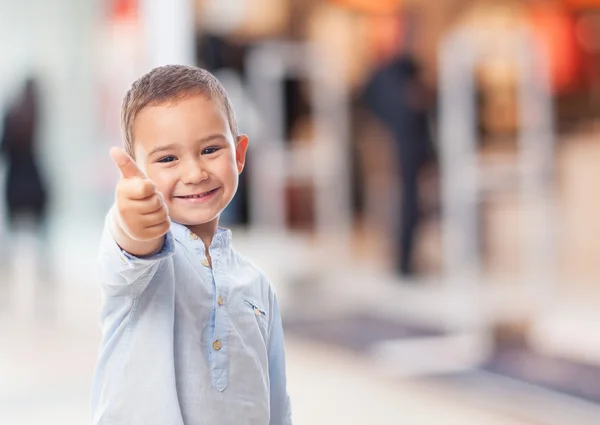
[123, 273]
[166, 251]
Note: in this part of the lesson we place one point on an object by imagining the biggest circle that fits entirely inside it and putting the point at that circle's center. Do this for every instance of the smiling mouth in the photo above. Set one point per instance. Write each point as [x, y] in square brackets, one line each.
[197, 195]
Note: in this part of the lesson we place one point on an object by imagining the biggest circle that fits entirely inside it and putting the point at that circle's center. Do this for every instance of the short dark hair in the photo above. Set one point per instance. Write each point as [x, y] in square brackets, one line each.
[171, 83]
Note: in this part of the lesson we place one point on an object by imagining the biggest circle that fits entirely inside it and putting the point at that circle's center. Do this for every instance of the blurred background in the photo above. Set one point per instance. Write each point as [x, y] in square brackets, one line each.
[419, 189]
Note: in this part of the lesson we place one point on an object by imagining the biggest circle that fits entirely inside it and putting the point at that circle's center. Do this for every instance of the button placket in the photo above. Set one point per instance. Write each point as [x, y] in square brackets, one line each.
[220, 336]
[219, 346]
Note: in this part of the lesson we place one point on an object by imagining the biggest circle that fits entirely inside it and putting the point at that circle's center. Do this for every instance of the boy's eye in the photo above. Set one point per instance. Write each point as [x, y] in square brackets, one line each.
[169, 158]
[208, 151]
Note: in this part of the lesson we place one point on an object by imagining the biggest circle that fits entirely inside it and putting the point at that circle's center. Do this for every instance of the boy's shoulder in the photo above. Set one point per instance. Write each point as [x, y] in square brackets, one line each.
[246, 272]
[250, 266]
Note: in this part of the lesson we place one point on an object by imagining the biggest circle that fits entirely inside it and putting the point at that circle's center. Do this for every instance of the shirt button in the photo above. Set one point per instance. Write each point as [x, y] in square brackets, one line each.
[217, 345]
[194, 236]
[220, 300]
[257, 311]
[205, 262]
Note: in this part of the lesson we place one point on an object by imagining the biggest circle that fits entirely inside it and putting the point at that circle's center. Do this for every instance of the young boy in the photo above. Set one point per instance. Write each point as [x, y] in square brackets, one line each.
[192, 332]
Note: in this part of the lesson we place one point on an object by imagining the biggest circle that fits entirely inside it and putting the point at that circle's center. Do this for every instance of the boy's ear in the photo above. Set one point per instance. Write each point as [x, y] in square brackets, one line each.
[241, 147]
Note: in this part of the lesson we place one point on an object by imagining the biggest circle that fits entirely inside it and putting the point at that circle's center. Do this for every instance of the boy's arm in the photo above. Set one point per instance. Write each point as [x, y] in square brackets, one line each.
[136, 234]
[281, 413]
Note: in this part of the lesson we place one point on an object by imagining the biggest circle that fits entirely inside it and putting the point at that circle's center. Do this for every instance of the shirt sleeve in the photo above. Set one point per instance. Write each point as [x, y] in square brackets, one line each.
[281, 412]
[124, 274]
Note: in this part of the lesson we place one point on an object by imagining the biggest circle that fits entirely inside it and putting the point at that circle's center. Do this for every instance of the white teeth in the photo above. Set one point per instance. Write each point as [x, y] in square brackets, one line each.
[197, 196]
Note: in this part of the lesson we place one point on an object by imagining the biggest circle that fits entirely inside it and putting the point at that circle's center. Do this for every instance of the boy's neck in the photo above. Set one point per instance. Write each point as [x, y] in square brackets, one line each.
[206, 231]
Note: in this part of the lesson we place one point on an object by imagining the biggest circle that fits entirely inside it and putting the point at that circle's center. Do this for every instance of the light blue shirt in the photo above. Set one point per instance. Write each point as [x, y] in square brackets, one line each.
[184, 344]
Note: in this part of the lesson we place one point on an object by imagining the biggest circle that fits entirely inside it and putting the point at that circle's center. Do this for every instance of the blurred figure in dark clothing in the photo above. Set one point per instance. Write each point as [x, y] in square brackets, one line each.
[397, 96]
[25, 192]
[26, 197]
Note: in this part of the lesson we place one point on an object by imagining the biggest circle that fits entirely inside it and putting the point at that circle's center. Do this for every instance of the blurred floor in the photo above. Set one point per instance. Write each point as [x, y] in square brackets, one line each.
[46, 366]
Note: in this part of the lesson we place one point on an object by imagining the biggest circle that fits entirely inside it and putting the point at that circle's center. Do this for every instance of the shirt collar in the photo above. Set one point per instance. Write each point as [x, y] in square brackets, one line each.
[222, 239]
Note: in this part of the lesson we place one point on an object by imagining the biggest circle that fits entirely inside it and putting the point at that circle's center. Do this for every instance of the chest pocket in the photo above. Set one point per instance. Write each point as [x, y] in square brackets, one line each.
[249, 313]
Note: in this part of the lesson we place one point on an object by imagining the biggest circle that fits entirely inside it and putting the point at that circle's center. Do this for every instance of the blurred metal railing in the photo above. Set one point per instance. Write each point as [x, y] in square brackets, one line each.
[464, 178]
[324, 162]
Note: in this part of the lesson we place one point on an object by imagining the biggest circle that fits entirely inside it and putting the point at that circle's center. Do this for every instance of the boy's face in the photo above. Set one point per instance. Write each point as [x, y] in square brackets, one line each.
[188, 151]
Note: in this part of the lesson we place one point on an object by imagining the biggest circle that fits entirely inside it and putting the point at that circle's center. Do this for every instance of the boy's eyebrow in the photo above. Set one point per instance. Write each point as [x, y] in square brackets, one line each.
[161, 148]
[212, 137]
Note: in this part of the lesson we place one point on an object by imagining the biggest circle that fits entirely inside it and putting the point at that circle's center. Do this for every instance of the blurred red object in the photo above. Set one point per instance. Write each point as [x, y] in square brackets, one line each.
[380, 7]
[554, 28]
[582, 4]
[124, 9]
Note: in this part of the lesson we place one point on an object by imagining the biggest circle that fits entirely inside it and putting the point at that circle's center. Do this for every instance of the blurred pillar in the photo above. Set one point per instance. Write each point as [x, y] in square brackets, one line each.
[465, 183]
[169, 29]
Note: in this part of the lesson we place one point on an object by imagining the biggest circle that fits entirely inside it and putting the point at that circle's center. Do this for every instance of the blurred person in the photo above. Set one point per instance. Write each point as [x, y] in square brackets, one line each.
[396, 94]
[25, 190]
[192, 331]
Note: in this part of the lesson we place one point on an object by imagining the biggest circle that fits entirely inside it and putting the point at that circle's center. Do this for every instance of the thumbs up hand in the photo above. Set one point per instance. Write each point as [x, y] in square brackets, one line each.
[140, 213]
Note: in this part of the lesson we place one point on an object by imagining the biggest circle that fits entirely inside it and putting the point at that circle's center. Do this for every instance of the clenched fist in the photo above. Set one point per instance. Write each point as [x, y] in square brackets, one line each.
[140, 210]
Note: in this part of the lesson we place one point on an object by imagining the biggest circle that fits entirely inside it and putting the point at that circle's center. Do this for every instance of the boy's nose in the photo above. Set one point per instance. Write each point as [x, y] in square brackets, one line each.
[194, 173]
